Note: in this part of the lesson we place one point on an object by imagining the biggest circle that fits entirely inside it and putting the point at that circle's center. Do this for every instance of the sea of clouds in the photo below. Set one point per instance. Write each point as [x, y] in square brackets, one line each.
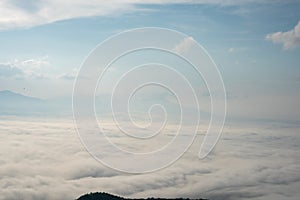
[44, 159]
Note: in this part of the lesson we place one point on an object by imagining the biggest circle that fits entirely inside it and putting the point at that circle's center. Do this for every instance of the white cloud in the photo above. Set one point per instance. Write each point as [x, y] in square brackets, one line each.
[230, 50]
[185, 45]
[69, 76]
[33, 64]
[36, 74]
[261, 162]
[27, 69]
[237, 49]
[289, 39]
[17, 14]
[8, 70]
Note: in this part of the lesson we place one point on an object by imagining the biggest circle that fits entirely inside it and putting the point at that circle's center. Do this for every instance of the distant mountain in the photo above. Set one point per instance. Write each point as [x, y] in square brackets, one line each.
[12, 103]
[106, 196]
[7, 96]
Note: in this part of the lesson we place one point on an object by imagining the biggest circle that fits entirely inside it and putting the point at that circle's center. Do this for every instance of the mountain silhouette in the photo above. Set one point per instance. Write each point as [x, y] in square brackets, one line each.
[106, 196]
[12, 103]
[7, 96]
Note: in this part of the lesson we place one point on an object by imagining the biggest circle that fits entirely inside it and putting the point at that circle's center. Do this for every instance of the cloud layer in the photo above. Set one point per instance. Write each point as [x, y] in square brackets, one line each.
[289, 39]
[43, 159]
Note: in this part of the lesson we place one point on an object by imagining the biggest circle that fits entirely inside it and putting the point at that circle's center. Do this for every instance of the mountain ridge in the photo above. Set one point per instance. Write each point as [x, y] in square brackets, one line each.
[107, 196]
[17, 104]
[9, 95]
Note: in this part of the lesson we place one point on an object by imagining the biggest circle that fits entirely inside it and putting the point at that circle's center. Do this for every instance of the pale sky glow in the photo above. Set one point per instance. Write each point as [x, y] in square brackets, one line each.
[255, 45]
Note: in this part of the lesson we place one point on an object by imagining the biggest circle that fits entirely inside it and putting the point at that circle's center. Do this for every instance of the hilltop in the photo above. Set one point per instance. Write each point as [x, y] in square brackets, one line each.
[106, 196]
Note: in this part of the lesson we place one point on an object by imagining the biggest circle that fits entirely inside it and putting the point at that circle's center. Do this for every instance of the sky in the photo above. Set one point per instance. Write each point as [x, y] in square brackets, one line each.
[255, 45]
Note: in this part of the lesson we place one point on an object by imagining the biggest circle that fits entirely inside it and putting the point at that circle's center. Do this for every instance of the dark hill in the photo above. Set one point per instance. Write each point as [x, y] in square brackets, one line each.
[106, 196]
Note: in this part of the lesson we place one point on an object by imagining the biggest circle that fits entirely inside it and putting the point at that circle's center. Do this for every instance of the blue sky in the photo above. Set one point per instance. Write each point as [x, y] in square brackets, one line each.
[43, 48]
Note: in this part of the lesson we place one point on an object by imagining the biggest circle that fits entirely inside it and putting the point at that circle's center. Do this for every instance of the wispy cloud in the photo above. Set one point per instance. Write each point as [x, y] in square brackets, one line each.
[17, 14]
[8, 70]
[237, 49]
[69, 76]
[185, 45]
[25, 69]
[289, 39]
